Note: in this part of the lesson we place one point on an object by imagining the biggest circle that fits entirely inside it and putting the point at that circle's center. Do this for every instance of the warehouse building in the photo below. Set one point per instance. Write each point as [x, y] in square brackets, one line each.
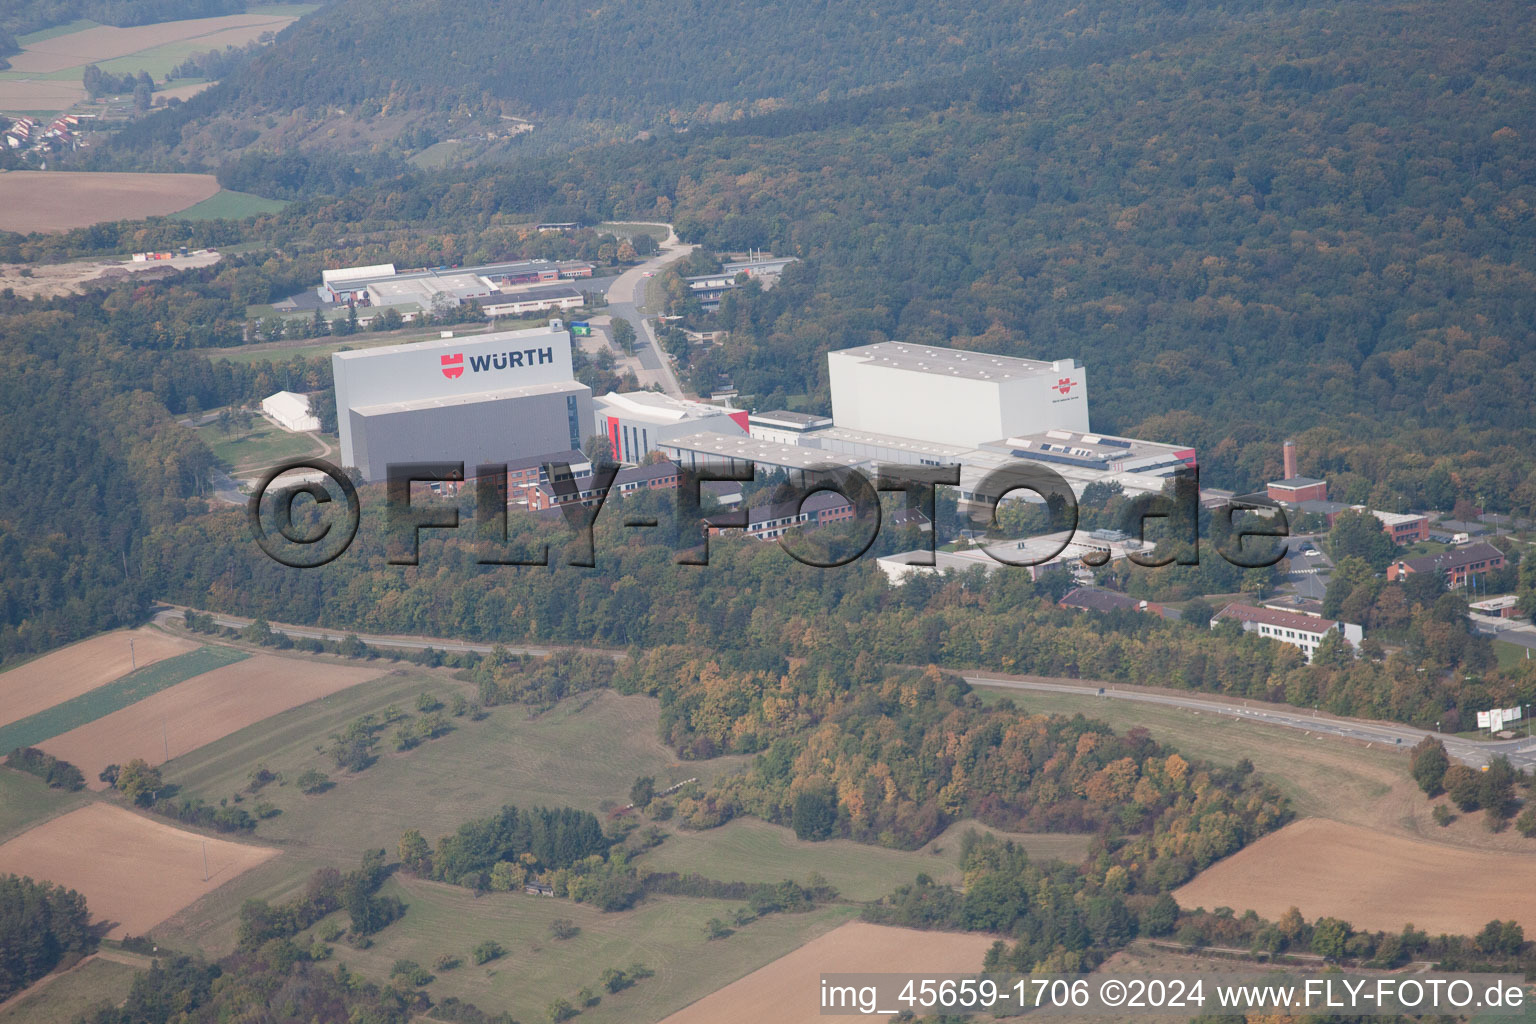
[290, 411]
[488, 399]
[637, 422]
[382, 285]
[739, 452]
[953, 397]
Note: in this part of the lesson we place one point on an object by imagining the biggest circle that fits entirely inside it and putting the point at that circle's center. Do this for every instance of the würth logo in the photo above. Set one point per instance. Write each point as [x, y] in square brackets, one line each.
[1064, 385]
[453, 365]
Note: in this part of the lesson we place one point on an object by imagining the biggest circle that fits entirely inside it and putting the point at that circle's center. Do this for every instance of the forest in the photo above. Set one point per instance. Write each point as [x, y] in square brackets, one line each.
[41, 925]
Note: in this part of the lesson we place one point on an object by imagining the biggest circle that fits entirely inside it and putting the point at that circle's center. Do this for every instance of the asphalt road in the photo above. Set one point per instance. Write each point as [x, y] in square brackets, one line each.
[626, 298]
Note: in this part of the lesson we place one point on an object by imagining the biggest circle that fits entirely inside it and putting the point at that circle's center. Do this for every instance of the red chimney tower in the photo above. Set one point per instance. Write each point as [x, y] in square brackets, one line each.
[1290, 460]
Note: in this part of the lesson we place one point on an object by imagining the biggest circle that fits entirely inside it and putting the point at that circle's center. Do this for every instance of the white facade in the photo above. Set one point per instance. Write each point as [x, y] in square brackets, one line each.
[1304, 632]
[782, 427]
[290, 411]
[484, 367]
[638, 422]
[953, 397]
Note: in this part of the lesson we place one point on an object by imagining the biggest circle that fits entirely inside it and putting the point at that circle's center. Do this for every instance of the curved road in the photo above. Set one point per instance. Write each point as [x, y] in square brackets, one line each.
[624, 302]
[1521, 752]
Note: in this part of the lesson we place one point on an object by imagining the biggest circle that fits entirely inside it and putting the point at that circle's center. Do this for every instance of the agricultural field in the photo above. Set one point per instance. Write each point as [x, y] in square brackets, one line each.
[228, 204]
[47, 52]
[114, 696]
[667, 935]
[1373, 881]
[205, 708]
[582, 753]
[80, 668]
[47, 75]
[749, 850]
[108, 853]
[26, 800]
[263, 445]
[786, 990]
[54, 201]
[64, 998]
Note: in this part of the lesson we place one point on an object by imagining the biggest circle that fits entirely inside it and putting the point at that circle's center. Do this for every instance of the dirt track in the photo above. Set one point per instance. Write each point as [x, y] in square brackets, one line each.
[134, 872]
[1373, 881]
[786, 991]
[65, 674]
[197, 712]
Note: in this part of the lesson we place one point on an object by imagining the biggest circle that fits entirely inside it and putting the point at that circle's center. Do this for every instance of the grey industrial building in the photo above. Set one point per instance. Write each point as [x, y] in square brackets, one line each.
[485, 399]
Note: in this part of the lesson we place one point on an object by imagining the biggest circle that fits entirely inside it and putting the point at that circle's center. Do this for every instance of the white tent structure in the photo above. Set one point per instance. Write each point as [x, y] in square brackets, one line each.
[290, 411]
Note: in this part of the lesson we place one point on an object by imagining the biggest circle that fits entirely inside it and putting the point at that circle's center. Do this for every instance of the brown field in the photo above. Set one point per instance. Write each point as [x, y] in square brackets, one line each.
[1372, 880]
[197, 712]
[94, 45]
[785, 991]
[52, 201]
[133, 871]
[66, 674]
[40, 93]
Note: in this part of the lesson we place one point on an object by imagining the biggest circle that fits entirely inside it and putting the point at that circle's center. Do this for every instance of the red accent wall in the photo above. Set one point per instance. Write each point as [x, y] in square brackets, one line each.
[613, 436]
[740, 419]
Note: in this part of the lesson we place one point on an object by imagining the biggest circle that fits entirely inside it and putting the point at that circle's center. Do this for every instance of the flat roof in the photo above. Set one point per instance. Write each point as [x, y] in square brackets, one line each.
[750, 449]
[381, 271]
[1292, 483]
[476, 398]
[659, 408]
[1086, 445]
[357, 273]
[784, 418]
[951, 362]
[873, 439]
[456, 342]
[540, 294]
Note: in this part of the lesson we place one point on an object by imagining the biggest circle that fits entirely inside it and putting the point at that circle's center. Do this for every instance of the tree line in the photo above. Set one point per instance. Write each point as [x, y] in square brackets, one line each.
[42, 927]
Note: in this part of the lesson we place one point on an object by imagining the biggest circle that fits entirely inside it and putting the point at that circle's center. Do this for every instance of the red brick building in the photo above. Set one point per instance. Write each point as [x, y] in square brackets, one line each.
[1458, 564]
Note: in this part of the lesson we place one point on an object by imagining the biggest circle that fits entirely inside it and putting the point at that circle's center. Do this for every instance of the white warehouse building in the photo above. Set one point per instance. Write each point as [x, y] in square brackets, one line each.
[953, 397]
[484, 399]
[290, 411]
